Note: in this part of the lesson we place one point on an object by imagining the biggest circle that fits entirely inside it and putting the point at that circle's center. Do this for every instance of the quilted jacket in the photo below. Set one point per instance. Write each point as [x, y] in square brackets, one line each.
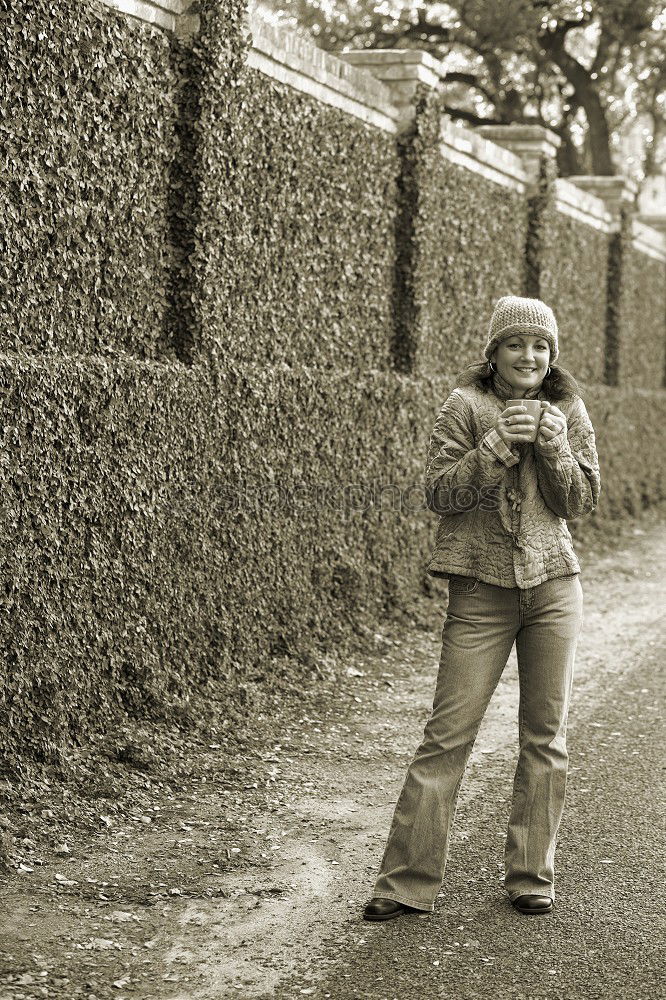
[503, 511]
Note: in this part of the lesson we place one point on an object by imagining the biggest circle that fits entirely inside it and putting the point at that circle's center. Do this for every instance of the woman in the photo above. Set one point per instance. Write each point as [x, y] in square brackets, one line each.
[503, 543]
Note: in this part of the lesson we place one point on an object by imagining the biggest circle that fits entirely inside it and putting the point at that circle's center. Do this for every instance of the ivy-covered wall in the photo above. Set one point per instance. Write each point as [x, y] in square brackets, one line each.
[222, 369]
[573, 278]
[295, 246]
[631, 453]
[141, 571]
[568, 267]
[468, 238]
[88, 136]
[641, 356]
[106, 569]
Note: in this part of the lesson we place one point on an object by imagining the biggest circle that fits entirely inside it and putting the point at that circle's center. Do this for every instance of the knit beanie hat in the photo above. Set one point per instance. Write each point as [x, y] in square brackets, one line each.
[513, 314]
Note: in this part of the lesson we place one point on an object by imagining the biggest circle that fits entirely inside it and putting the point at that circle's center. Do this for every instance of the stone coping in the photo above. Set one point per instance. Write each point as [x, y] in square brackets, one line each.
[525, 139]
[397, 65]
[649, 241]
[657, 222]
[468, 149]
[171, 15]
[532, 143]
[616, 186]
[287, 57]
[584, 207]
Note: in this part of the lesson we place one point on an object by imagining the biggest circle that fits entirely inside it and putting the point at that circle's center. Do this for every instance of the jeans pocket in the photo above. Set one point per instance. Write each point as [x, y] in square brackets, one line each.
[463, 584]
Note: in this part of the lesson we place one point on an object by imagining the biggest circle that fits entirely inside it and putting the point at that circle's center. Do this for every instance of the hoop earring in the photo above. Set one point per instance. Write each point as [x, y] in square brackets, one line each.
[492, 368]
[548, 372]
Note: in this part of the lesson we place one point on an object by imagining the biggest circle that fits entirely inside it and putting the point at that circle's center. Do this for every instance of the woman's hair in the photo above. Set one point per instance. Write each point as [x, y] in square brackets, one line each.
[559, 384]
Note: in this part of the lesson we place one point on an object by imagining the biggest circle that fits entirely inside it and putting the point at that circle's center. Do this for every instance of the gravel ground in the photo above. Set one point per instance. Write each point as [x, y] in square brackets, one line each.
[237, 864]
[602, 938]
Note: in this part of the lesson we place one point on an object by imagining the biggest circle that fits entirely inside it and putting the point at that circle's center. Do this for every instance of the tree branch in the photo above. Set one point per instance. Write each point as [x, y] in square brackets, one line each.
[564, 26]
[472, 81]
[587, 96]
[469, 116]
[603, 48]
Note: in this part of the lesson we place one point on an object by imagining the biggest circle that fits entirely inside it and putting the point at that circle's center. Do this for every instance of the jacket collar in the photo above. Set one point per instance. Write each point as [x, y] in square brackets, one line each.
[503, 390]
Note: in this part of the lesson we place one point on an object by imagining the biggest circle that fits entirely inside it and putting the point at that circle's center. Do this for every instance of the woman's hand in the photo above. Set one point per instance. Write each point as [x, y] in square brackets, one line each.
[514, 425]
[551, 423]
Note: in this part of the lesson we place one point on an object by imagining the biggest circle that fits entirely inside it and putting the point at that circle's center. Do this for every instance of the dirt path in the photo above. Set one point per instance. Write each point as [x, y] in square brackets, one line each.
[218, 883]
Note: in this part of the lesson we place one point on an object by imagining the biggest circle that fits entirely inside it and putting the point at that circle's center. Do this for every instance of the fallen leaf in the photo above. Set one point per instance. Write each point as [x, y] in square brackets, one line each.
[102, 944]
[65, 881]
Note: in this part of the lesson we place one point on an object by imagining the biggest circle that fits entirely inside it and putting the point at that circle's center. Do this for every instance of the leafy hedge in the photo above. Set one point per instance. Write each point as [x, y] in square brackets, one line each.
[174, 530]
[639, 314]
[295, 246]
[131, 584]
[205, 563]
[469, 238]
[105, 540]
[87, 119]
[628, 426]
[569, 270]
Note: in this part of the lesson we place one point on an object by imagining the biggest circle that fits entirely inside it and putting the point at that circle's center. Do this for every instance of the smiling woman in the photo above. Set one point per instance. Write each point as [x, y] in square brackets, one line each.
[513, 577]
[522, 360]
[527, 344]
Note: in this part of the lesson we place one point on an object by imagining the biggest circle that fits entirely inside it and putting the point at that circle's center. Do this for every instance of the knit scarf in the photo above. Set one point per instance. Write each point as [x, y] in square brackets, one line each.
[503, 390]
[514, 494]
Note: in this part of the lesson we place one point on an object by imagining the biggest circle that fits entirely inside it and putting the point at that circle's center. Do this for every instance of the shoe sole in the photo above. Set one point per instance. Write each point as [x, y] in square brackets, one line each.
[533, 911]
[383, 916]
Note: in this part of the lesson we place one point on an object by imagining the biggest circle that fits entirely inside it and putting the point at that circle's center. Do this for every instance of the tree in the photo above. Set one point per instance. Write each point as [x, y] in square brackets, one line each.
[589, 70]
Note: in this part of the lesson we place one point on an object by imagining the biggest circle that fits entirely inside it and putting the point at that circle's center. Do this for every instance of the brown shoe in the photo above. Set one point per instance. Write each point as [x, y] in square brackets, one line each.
[533, 904]
[383, 909]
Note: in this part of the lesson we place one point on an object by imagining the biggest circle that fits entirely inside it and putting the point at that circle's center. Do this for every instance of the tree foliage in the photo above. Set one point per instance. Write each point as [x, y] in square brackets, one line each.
[593, 71]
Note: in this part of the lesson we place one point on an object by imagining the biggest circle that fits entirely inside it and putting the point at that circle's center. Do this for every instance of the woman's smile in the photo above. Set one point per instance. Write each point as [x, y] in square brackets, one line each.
[529, 368]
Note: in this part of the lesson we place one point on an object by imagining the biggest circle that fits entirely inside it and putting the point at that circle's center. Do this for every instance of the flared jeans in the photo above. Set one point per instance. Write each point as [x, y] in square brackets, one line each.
[482, 623]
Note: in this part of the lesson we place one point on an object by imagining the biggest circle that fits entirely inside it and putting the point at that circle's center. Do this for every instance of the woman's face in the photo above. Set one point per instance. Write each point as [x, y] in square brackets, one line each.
[522, 351]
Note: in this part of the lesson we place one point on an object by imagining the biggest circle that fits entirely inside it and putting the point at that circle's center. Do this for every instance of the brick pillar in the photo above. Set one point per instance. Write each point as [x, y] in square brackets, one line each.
[406, 73]
[652, 202]
[537, 148]
[532, 143]
[617, 193]
[401, 70]
[188, 23]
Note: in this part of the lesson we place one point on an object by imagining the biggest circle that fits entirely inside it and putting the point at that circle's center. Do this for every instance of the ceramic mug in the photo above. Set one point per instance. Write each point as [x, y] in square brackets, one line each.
[533, 408]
